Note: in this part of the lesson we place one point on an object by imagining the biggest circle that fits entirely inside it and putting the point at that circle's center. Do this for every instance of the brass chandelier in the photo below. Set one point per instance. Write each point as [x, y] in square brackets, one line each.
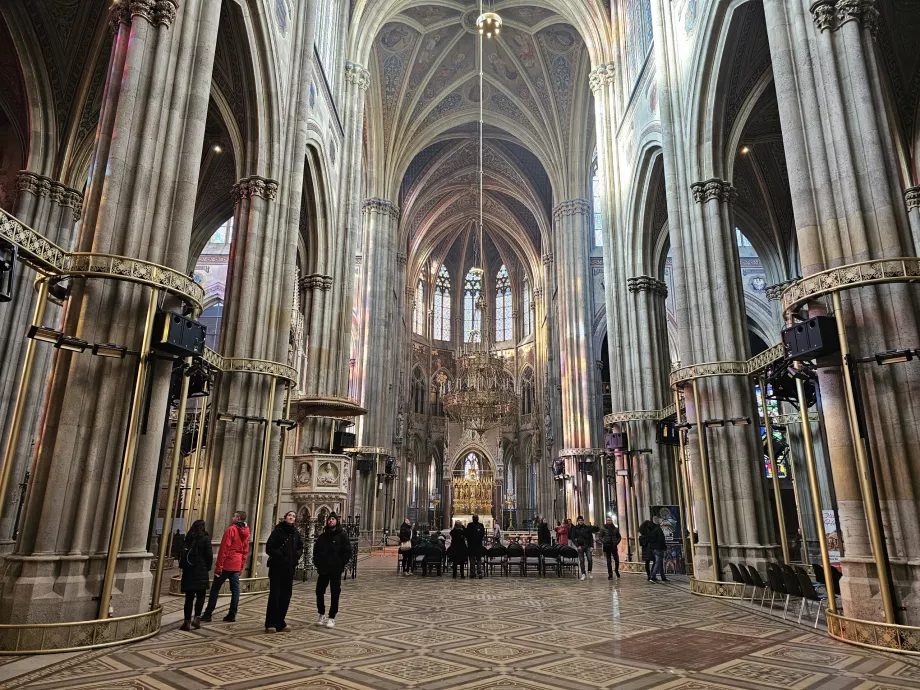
[482, 396]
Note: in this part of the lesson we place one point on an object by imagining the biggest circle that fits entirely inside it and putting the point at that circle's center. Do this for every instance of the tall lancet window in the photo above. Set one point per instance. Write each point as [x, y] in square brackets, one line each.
[442, 305]
[418, 317]
[503, 326]
[598, 219]
[527, 306]
[472, 317]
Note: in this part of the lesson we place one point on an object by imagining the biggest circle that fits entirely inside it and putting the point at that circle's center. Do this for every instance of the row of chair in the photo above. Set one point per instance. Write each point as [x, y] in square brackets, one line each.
[786, 581]
[532, 557]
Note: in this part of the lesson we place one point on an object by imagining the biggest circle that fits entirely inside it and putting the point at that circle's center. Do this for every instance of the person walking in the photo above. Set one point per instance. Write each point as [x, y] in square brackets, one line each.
[284, 548]
[475, 536]
[331, 554]
[659, 548]
[648, 554]
[405, 545]
[543, 537]
[583, 537]
[195, 561]
[231, 557]
[457, 553]
[610, 538]
[497, 535]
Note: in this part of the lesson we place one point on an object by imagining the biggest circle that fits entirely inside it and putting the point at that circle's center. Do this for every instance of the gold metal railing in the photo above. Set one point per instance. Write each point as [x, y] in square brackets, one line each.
[715, 588]
[47, 638]
[884, 636]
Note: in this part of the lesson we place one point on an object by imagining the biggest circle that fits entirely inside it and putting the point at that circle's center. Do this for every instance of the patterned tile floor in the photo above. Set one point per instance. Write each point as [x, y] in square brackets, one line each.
[491, 634]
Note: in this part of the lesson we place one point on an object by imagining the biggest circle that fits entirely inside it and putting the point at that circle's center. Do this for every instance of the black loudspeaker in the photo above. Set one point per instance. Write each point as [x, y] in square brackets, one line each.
[810, 339]
[364, 464]
[389, 466]
[7, 270]
[178, 335]
[666, 433]
[618, 441]
[342, 440]
[558, 468]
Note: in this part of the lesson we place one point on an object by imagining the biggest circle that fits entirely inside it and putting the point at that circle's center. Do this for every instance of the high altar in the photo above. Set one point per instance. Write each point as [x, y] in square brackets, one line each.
[472, 495]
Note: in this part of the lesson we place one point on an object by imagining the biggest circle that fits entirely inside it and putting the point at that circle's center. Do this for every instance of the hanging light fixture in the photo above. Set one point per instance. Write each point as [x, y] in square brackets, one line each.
[482, 396]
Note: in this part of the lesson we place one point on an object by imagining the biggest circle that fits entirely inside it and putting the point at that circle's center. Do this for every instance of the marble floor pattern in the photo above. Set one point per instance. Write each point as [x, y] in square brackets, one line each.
[491, 634]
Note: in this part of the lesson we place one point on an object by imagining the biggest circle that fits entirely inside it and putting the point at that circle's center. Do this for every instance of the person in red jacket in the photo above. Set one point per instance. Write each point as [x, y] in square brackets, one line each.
[234, 548]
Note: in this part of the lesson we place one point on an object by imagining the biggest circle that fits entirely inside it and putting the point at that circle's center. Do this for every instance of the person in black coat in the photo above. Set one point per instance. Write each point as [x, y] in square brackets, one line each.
[195, 561]
[331, 553]
[659, 548]
[610, 539]
[405, 545]
[284, 548]
[543, 535]
[583, 537]
[648, 553]
[457, 553]
[475, 536]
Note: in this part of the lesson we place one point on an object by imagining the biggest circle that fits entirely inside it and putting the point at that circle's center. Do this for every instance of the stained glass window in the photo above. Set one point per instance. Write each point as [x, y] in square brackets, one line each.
[442, 305]
[528, 308]
[741, 239]
[598, 220]
[503, 327]
[223, 234]
[638, 34]
[418, 318]
[472, 317]
[780, 446]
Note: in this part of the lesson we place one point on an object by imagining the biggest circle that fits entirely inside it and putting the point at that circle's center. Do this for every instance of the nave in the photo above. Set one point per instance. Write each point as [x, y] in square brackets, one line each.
[490, 634]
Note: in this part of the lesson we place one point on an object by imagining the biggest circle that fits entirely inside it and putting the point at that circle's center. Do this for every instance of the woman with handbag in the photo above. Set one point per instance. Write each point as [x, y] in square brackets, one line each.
[405, 545]
[284, 548]
[195, 562]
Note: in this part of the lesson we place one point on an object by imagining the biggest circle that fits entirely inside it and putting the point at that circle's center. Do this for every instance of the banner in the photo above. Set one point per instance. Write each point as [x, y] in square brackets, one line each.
[831, 535]
[673, 536]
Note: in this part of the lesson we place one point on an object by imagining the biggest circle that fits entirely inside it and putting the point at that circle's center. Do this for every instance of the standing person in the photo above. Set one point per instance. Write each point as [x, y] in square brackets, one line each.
[475, 536]
[648, 554]
[284, 548]
[497, 534]
[231, 557]
[457, 553]
[405, 545]
[562, 533]
[195, 561]
[610, 538]
[583, 536]
[331, 554]
[659, 548]
[543, 538]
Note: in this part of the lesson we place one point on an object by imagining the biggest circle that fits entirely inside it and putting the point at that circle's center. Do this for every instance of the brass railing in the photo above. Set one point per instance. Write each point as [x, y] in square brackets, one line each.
[47, 638]
[714, 588]
[889, 637]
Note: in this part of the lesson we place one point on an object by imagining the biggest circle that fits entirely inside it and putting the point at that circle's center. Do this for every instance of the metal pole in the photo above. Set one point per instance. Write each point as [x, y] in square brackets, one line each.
[798, 502]
[811, 467]
[166, 531]
[287, 415]
[866, 483]
[127, 462]
[685, 479]
[193, 474]
[777, 498]
[266, 448]
[19, 407]
[707, 485]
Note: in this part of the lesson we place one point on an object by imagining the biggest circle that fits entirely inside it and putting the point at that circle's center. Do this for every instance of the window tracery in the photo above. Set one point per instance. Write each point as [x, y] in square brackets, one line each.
[503, 325]
[472, 317]
[442, 305]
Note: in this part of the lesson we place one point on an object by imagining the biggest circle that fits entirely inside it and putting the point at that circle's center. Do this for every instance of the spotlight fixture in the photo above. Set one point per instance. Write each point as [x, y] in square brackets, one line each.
[109, 350]
[225, 417]
[217, 148]
[71, 344]
[709, 423]
[255, 420]
[489, 24]
[42, 334]
[286, 424]
[59, 290]
[740, 421]
[894, 357]
[685, 426]
[744, 150]
[7, 267]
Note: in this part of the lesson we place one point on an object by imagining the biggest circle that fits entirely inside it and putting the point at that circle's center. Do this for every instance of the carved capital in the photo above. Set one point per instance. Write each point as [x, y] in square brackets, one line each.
[601, 76]
[537, 293]
[830, 15]
[410, 294]
[547, 259]
[572, 207]
[249, 187]
[145, 9]
[720, 190]
[357, 75]
[165, 12]
[119, 13]
[381, 206]
[912, 197]
[316, 281]
[40, 187]
[401, 259]
[647, 284]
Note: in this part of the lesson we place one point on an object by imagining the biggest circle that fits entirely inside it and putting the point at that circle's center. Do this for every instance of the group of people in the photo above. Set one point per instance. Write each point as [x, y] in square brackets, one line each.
[654, 546]
[284, 548]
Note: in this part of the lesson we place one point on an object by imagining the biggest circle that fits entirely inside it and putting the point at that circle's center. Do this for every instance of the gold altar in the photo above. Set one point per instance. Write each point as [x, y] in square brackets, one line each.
[472, 495]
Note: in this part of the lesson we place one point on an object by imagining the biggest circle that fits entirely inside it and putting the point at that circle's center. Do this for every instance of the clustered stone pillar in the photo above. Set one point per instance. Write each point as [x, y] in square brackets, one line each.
[53, 210]
[138, 203]
[912, 199]
[849, 206]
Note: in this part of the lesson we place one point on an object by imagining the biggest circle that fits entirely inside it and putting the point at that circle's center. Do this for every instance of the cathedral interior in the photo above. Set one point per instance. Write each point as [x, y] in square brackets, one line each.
[648, 262]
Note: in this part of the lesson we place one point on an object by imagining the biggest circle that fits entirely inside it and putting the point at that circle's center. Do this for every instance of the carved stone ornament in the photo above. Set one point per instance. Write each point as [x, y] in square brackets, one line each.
[573, 207]
[145, 9]
[165, 12]
[912, 198]
[381, 206]
[316, 281]
[547, 259]
[249, 187]
[40, 186]
[601, 76]
[720, 190]
[647, 284]
[401, 259]
[537, 293]
[357, 75]
[832, 14]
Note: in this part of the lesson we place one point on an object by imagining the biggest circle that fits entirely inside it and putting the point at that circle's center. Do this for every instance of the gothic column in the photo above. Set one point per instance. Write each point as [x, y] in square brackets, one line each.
[53, 210]
[379, 329]
[849, 206]
[138, 203]
[912, 199]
